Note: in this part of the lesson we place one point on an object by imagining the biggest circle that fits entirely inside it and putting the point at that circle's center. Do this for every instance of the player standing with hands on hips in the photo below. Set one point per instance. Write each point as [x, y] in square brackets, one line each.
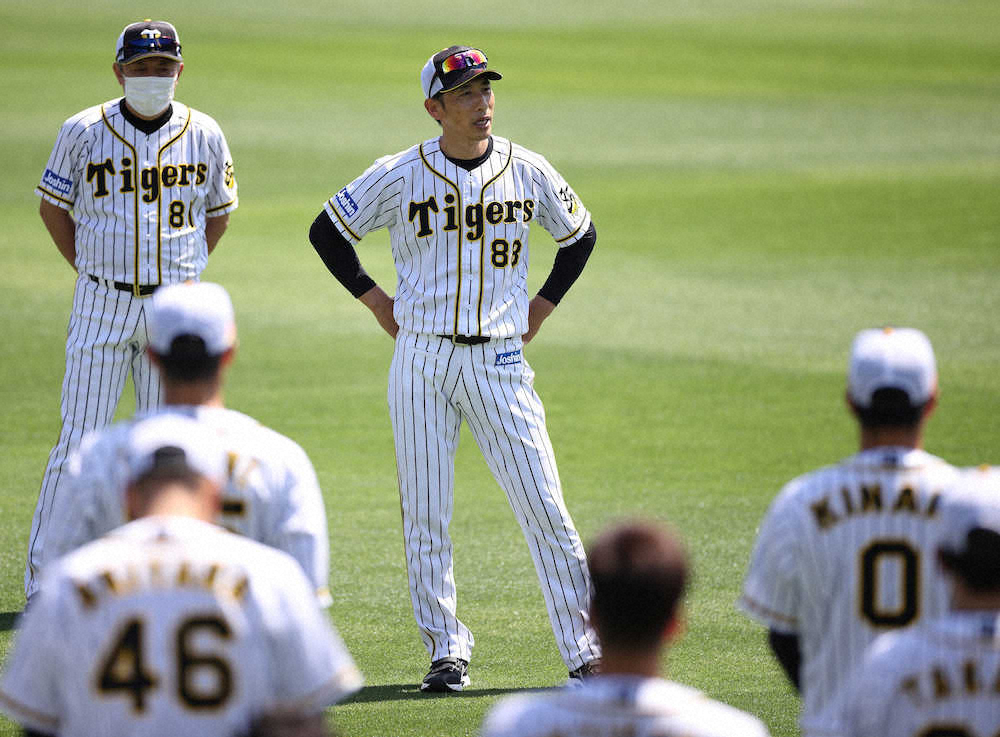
[136, 193]
[458, 209]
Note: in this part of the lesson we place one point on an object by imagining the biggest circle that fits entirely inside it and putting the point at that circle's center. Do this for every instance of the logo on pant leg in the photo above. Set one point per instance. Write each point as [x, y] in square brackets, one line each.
[506, 359]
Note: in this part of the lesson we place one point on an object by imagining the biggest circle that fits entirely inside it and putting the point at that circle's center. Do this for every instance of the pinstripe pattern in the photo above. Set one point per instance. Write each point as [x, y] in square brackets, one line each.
[433, 386]
[271, 646]
[446, 280]
[944, 673]
[272, 495]
[808, 577]
[139, 203]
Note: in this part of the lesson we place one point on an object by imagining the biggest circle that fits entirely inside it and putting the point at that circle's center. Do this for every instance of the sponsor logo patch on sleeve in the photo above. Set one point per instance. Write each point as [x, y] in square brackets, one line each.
[347, 202]
[57, 183]
[506, 359]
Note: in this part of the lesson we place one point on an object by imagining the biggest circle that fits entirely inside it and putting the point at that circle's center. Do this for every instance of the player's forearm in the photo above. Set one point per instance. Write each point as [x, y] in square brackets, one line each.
[61, 228]
[568, 266]
[214, 228]
[380, 303]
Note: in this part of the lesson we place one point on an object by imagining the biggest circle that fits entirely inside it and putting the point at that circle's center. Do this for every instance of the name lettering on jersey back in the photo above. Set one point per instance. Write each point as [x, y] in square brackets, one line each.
[476, 216]
[941, 683]
[103, 176]
[830, 510]
[154, 575]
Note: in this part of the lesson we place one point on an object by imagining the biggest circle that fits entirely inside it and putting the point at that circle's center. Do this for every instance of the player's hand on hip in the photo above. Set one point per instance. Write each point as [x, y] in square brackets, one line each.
[538, 309]
[380, 303]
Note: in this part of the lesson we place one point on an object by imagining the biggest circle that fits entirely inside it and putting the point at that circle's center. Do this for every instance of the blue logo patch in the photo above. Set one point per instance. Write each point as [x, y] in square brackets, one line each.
[506, 359]
[347, 202]
[56, 182]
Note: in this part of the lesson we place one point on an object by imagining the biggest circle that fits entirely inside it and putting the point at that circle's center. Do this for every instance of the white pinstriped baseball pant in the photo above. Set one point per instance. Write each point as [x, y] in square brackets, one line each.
[106, 337]
[433, 386]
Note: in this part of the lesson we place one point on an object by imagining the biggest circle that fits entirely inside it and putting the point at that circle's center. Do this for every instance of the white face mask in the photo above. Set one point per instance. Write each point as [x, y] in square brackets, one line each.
[149, 95]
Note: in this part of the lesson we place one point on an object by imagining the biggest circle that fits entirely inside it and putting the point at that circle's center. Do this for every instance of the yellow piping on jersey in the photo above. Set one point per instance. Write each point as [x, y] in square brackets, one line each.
[333, 206]
[566, 238]
[458, 205]
[159, 202]
[135, 200]
[40, 188]
[482, 242]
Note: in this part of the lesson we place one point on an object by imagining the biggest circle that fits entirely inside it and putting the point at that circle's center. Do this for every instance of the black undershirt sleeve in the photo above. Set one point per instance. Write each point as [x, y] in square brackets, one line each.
[786, 650]
[568, 266]
[339, 255]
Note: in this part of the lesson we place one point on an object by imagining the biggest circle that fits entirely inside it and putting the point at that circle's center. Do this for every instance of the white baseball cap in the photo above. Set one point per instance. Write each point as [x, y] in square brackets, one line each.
[974, 504]
[171, 444]
[891, 358]
[201, 309]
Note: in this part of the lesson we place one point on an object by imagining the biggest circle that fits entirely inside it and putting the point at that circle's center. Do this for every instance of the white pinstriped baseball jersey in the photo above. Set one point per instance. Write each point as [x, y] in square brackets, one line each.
[139, 201]
[939, 679]
[460, 238]
[612, 706]
[272, 495]
[172, 626]
[847, 553]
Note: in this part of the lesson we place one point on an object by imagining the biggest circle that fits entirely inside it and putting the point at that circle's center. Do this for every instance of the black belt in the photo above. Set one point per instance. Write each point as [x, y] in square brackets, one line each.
[466, 339]
[144, 290]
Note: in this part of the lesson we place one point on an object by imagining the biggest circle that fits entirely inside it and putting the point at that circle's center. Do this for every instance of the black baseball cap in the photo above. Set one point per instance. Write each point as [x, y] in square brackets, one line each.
[148, 38]
[452, 67]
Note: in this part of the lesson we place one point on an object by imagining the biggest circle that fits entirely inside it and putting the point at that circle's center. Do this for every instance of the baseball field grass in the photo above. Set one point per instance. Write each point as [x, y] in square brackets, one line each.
[766, 177]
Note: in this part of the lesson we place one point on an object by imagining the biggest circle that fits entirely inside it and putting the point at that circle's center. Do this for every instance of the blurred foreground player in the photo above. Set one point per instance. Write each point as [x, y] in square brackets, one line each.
[271, 493]
[941, 679]
[639, 573]
[848, 552]
[170, 625]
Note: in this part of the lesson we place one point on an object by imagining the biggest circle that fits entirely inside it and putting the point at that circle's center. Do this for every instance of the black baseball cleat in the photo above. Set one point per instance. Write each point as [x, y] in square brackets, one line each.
[446, 674]
[584, 673]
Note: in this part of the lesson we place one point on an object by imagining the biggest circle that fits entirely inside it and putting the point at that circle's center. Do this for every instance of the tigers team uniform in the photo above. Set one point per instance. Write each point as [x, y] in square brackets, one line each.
[847, 553]
[459, 240]
[272, 494]
[939, 679]
[172, 626]
[139, 202]
[611, 706]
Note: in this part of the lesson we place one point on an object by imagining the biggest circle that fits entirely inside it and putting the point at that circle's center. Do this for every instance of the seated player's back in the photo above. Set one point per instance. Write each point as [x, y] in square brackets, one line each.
[614, 706]
[271, 495]
[173, 626]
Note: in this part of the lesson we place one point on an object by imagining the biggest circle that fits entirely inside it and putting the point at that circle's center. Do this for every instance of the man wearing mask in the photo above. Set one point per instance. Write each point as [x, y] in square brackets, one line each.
[136, 194]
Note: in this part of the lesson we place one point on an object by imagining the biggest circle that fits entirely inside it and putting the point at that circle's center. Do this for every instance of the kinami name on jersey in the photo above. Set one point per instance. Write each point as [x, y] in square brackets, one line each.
[150, 179]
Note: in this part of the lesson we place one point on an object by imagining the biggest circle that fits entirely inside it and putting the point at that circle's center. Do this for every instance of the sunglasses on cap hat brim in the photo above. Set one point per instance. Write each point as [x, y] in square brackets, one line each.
[461, 67]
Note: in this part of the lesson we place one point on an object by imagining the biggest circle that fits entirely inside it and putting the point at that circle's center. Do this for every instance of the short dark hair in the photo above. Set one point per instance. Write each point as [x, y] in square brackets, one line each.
[188, 360]
[978, 566]
[890, 408]
[639, 573]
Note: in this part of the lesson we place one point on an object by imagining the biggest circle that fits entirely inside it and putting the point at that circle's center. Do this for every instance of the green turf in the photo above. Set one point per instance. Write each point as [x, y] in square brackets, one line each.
[767, 177]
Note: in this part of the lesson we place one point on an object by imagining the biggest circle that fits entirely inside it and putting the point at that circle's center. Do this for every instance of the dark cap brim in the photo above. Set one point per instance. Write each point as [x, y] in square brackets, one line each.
[470, 75]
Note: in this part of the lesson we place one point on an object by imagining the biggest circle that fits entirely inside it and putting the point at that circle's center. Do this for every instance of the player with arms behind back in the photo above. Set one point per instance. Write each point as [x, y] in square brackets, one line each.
[639, 574]
[170, 625]
[848, 552]
[458, 209]
[136, 193]
[271, 493]
[941, 678]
